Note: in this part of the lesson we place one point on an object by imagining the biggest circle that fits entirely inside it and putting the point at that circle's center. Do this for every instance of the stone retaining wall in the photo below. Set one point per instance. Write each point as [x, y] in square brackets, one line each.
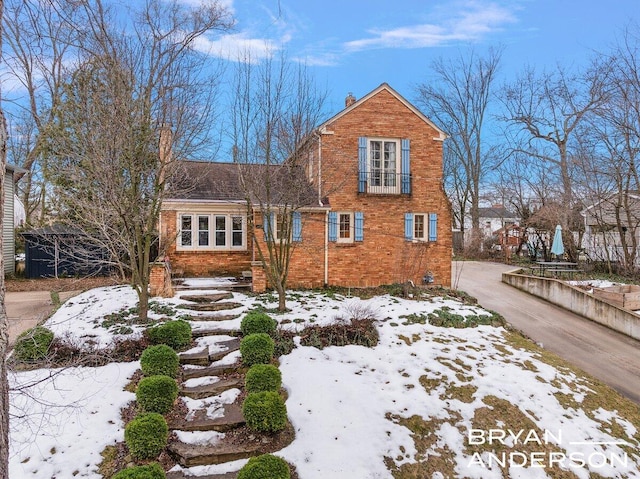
[576, 300]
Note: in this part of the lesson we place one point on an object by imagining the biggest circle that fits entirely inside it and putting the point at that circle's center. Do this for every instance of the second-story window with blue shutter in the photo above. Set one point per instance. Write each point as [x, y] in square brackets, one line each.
[297, 227]
[405, 176]
[362, 164]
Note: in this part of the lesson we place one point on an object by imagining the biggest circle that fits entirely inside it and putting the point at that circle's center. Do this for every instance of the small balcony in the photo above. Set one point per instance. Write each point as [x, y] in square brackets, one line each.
[382, 183]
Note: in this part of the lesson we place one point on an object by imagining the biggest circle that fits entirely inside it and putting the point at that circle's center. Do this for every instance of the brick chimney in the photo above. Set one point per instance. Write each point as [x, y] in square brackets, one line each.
[165, 145]
[350, 100]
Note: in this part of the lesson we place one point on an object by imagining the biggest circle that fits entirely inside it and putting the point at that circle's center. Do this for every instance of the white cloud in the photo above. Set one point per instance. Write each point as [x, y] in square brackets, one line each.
[241, 47]
[468, 21]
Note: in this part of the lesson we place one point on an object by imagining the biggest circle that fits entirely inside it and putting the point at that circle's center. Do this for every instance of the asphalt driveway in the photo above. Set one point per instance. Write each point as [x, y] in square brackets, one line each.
[29, 308]
[605, 354]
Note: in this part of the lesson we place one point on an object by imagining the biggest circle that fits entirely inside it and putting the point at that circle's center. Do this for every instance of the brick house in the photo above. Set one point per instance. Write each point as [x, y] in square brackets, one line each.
[374, 212]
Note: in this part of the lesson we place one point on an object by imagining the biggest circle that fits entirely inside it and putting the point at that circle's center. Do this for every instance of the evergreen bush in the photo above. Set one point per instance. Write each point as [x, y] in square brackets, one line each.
[266, 466]
[157, 394]
[33, 344]
[160, 360]
[263, 377]
[150, 471]
[176, 334]
[257, 322]
[256, 348]
[265, 411]
[146, 435]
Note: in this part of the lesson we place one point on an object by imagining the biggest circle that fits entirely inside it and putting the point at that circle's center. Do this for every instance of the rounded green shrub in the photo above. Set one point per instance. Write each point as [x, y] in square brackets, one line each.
[146, 435]
[257, 322]
[33, 344]
[157, 394]
[263, 377]
[176, 334]
[266, 466]
[159, 360]
[265, 411]
[150, 471]
[257, 348]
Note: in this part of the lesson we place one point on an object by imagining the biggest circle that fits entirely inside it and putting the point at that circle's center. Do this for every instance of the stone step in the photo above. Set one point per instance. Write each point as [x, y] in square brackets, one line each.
[197, 358]
[220, 306]
[213, 317]
[200, 333]
[202, 357]
[190, 455]
[213, 389]
[207, 298]
[220, 370]
[180, 475]
[231, 419]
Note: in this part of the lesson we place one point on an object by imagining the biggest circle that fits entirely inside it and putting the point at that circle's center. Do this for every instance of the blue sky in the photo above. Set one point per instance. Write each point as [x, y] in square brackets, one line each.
[355, 45]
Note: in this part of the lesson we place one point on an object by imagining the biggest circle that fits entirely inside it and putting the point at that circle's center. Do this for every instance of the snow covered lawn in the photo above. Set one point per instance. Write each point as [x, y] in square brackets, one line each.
[427, 401]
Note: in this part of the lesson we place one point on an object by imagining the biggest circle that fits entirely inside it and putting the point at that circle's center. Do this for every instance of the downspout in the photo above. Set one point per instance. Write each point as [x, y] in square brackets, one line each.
[326, 248]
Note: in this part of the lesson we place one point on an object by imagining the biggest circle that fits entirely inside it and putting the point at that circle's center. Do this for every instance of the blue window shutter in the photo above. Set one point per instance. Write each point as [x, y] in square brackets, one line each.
[297, 226]
[362, 164]
[433, 226]
[333, 226]
[359, 226]
[266, 226]
[405, 181]
[408, 226]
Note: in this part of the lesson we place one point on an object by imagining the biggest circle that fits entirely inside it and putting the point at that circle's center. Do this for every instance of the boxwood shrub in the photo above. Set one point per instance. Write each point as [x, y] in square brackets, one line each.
[146, 435]
[265, 411]
[157, 394]
[160, 359]
[262, 377]
[33, 344]
[257, 322]
[176, 334]
[150, 471]
[257, 348]
[265, 466]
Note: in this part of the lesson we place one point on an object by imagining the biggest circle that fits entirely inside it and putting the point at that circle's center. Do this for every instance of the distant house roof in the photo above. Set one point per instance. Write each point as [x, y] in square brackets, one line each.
[496, 212]
[231, 182]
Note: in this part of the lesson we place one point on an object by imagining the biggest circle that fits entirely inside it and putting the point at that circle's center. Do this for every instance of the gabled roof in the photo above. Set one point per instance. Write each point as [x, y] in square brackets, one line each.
[385, 86]
[223, 182]
[496, 212]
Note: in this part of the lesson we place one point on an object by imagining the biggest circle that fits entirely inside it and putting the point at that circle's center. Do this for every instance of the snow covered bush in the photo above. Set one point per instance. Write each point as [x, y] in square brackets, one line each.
[33, 344]
[157, 394]
[265, 411]
[263, 466]
[146, 435]
[176, 334]
[257, 322]
[160, 359]
[150, 471]
[263, 377]
[256, 348]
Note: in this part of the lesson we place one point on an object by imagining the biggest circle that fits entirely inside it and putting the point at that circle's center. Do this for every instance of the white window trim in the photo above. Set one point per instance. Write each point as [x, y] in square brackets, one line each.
[384, 189]
[195, 232]
[425, 231]
[351, 237]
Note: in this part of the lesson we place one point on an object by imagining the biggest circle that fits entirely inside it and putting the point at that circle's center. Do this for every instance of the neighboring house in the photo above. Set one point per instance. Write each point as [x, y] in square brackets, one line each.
[373, 209]
[606, 222]
[8, 225]
[495, 219]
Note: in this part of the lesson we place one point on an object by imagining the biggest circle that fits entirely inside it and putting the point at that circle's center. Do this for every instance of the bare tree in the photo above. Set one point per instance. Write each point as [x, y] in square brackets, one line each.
[458, 99]
[38, 43]
[109, 148]
[4, 323]
[276, 108]
[545, 112]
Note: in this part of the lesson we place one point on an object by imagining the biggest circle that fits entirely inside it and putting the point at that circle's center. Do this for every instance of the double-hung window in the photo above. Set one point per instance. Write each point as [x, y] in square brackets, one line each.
[421, 227]
[345, 227]
[211, 232]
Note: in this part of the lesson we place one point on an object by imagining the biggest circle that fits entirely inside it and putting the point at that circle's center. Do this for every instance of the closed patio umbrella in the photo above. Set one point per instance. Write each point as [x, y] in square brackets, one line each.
[557, 247]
